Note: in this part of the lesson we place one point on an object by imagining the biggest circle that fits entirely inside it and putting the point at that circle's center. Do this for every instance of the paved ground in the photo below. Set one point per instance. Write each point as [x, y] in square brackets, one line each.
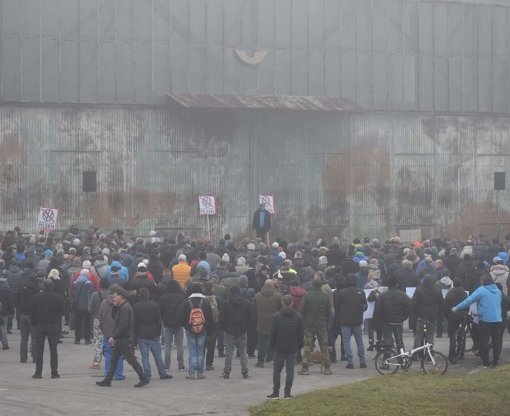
[76, 393]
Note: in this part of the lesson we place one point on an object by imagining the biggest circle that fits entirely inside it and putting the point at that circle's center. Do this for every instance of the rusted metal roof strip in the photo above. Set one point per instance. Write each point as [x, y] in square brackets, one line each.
[265, 102]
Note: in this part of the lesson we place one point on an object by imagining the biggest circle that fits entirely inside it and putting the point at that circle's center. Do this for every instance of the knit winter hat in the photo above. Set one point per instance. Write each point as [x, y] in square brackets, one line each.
[54, 274]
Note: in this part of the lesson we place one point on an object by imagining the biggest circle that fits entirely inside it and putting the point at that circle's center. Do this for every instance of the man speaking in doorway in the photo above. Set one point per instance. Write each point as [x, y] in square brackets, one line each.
[261, 221]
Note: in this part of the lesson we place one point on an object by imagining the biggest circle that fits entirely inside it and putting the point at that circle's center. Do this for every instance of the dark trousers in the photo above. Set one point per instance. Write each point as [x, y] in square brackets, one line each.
[83, 326]
[42, 332]
[489, 330]
[220, 339]
[252, 338]
[27, 330]
[393, 331]
[281, 359]
[210, 344]
[124, 347]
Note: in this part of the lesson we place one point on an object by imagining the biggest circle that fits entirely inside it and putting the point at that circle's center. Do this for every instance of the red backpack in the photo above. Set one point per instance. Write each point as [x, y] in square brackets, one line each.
[196, 318]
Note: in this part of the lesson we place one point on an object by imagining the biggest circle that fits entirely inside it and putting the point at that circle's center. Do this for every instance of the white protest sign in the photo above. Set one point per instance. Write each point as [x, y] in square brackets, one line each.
[47, 219]
[369, 313]
[410, 291]
[207, 205]
[268, 201]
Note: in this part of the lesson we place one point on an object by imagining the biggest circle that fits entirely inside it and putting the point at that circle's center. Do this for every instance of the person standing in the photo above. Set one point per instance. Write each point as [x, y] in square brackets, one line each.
[286, 339]
[94, 305]
[316, 308]
[7, 310]
[122, 340]
[235, 317]
[28, 287]
[261, 221]
[454, 296]
[107, 327]
[46, 310]
[81, 292]
[265, 304]
[392, 309]
[181, 272]
[488, 299]
[426, 303]
[350, 304]
[169, 305]
[147, 329]
[195, 316]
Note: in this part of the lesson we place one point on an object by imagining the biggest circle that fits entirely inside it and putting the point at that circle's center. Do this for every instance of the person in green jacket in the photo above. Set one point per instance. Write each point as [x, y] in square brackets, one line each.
[316, 308]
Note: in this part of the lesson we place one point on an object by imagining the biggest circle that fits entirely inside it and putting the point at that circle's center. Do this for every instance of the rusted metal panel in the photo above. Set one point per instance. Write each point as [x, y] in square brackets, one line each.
[264, 102]
[331, 174]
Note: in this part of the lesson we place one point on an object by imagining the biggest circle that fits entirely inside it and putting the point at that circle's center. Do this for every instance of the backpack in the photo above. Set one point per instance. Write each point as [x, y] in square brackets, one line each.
[214, 306]
[196, 318]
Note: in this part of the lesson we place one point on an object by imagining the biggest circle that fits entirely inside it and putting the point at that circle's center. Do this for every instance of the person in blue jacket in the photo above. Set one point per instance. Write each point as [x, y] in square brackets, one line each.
[488, 300]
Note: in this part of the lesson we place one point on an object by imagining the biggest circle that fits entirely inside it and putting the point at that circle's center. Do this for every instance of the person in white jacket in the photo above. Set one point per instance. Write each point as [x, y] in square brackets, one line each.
[499, 273]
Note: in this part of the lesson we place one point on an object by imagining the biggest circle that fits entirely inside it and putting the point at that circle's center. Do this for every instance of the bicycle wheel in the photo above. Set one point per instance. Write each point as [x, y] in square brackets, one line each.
[440, 366]
[459, 339]
[386, 362]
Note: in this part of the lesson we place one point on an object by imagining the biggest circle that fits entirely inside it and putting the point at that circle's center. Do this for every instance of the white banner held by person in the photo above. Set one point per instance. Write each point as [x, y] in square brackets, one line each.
[268, 201]
[47, 219]
[207, 205]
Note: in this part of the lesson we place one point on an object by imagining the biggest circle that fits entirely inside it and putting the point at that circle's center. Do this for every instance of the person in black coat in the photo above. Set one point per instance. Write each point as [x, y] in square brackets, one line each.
[350, 304]
[454, 296]
[169, 305]
[235, 318]
[286, 339]
[6, 311]
[147, 330]
[392, 309]
[426, 303]
[46, 310]
[261, 221]
[29, 286]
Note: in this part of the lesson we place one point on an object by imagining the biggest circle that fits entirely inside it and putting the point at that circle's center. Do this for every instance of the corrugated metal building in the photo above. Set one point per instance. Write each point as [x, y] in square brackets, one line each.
[361, 117]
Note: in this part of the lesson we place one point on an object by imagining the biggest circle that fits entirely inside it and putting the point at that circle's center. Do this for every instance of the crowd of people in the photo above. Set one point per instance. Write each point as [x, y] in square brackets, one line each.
[271, 302]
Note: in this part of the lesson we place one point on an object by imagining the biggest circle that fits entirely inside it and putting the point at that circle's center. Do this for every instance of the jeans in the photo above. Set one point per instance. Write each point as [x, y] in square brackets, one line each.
[357, 331]
[196, 352]
[281, 359]
[123, 347]
[391, 331]
[174, 335]
[489, 330]
[239, 341]
[154, 346]
[26, 330]
[44, 331]
[98, 342]
[262, 347]
[107, 351]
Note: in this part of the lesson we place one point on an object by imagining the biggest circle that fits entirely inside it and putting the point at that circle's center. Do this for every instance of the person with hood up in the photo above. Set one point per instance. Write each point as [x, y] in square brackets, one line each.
[362, 275]
[117, 273]
[197, 335]
[286, 339]
[81, 292]
[499, 273]
[426, 303]
[265, 304]
[235, 318]
[488, 299]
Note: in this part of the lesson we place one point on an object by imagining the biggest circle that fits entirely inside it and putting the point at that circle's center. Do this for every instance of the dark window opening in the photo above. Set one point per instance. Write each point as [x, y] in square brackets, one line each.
[90, 181]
